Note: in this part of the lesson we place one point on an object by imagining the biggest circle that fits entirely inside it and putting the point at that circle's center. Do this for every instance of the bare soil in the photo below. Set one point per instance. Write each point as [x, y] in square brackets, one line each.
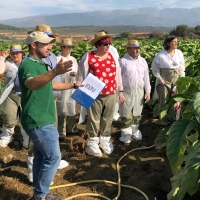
[148, 169]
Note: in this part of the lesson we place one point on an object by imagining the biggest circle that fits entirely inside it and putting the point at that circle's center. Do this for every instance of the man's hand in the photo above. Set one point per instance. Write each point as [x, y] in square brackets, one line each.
[147, 97]
[121, 97]
[79, 84]
[63, 67]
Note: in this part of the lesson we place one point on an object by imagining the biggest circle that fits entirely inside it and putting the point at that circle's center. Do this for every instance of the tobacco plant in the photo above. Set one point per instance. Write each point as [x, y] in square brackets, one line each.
[181, 140]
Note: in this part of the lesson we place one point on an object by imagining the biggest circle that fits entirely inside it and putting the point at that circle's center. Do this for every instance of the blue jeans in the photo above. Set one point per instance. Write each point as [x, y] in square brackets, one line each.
[47, 157]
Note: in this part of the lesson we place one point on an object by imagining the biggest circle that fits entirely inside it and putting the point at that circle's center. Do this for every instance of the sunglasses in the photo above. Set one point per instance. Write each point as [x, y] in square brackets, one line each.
[106, 44]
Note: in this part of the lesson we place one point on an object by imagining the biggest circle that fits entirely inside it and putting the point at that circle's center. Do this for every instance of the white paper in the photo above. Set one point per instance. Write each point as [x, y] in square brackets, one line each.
[93, 86]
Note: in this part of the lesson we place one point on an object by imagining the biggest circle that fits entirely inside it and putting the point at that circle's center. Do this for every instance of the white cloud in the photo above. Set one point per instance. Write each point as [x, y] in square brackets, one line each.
[22, 8]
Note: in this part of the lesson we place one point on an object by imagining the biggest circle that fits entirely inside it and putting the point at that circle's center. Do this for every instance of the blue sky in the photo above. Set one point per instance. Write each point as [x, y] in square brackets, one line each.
[10, 9]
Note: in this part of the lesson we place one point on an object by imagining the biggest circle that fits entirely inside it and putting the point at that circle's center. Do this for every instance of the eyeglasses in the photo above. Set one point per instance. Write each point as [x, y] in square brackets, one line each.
[106, 44]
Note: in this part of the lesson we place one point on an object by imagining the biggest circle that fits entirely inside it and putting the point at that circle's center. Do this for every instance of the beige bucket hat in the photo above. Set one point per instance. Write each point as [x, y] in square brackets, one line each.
[98, 36]
[44, 28]
[132, 43]
[66, 42]
[16, 48]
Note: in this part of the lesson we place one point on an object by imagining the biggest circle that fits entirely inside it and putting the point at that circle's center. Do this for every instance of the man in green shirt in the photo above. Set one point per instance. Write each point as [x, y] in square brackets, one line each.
[38, 111]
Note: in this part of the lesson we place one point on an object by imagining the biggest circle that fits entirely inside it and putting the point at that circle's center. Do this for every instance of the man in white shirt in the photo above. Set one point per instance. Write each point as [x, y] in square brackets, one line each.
[135, 79]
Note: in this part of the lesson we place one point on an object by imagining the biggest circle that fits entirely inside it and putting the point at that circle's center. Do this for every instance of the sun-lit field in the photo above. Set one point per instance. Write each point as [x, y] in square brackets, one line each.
[149, 170]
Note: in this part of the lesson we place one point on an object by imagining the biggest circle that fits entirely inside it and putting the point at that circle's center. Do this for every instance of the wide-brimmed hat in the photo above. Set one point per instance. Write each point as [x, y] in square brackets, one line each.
[44, 28]
[38, 36]
[98, 36]
[66, 42]
[16, 48]
[132, 43]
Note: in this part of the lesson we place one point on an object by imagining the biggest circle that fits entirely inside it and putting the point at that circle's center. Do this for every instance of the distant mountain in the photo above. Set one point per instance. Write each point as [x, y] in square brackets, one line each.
[169, 17]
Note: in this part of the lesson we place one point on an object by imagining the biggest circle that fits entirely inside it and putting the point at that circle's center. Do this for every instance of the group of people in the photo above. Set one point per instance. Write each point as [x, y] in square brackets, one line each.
[41, 84]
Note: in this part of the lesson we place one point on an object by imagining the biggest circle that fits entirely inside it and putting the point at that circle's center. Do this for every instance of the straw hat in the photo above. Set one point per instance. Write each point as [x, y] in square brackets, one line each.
[98, 36]
[16, 48]
[44, 28]
[66, 42]
[132, 43]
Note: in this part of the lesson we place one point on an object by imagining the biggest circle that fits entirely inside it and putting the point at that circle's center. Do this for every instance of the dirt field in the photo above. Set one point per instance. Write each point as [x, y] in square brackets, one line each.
[148, 170]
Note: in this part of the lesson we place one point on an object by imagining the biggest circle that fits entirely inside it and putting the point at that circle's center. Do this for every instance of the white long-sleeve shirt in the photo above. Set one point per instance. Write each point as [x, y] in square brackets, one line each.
[135, 72]
[164, 60]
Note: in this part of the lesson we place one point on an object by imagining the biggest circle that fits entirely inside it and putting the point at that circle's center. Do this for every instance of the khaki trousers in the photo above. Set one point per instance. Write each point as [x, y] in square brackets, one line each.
[130, 120]
[9, 108]
[100, 115]
[66, 124]
[164, 91]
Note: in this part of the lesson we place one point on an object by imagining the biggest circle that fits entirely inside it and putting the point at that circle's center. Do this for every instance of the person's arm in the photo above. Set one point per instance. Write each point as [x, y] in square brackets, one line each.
[147, 85]
[121, 96]
[156, 69]
[39, 81]
[34, 83]
[66, 86]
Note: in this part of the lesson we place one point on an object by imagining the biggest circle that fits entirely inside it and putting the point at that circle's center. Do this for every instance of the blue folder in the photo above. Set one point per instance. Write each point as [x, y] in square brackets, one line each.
[82, 98]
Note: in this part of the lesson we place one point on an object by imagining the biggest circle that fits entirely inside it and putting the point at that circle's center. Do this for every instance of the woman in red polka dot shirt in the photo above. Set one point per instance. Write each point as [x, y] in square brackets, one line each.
[104, 65]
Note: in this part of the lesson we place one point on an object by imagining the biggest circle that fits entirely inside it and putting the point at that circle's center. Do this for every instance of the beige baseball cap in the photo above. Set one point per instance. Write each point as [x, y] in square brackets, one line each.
[38, 36]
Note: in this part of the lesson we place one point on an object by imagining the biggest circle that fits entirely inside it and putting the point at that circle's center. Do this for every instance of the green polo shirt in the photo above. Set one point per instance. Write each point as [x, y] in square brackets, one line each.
[38, 107]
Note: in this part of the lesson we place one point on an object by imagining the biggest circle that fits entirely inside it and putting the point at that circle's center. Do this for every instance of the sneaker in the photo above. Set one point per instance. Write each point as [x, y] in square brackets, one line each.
[48, 197]
[92, 147]
[63, 164]
[106, 145]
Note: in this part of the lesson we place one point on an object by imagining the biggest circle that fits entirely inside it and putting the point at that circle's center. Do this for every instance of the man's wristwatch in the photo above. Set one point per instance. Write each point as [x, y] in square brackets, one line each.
[55, 71]
[74, 86]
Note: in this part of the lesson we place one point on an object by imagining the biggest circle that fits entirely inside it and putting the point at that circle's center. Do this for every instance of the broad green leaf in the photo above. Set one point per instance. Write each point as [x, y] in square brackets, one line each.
[196, 106]
[182, 84]
[191, 172]
[178, 141]
[193, 138]
[156, 110]
[162, 137]
[175, 183]
[182, 97]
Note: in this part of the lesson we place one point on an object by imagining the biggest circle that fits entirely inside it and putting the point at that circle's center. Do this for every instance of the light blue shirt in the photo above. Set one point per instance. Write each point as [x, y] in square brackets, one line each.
[51, 61]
